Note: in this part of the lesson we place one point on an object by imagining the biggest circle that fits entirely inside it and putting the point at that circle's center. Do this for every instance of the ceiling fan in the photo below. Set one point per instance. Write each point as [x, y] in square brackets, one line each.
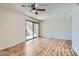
[34, 8]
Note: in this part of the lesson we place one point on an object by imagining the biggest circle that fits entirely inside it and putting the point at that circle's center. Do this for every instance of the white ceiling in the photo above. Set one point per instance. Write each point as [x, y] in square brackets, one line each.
[53, 10]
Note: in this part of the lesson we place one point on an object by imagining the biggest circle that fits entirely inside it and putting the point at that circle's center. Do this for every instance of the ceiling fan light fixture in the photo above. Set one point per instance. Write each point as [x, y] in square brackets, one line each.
[33, 11]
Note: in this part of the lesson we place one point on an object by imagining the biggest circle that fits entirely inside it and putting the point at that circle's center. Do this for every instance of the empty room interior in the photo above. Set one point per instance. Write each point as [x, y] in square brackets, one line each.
[39, 29]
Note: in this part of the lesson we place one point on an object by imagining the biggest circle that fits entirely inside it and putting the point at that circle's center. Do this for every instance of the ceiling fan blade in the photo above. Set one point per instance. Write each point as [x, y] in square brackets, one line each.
[36, 13]
[23, 5]
[40, 9]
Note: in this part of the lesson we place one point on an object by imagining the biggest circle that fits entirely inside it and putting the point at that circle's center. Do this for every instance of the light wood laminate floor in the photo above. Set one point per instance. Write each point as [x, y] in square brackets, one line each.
[40, 47]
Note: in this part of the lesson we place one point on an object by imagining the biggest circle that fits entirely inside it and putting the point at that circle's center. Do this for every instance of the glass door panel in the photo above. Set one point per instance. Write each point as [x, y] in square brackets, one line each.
[29, 30]
[36, 30]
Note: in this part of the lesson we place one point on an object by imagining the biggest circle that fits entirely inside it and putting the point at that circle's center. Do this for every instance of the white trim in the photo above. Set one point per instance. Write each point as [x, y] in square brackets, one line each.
[11, 45]
[59, 37]
[75, 51]
[62, 38]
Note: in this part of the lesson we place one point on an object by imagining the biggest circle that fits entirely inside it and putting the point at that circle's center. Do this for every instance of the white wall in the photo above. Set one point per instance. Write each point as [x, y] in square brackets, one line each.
[56, 28]
[12, 27]
[75, 29]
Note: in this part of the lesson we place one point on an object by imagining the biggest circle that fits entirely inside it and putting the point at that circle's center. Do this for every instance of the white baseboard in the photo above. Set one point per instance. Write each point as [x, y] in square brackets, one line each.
[62, 37]
[11, 45]
[59, 37]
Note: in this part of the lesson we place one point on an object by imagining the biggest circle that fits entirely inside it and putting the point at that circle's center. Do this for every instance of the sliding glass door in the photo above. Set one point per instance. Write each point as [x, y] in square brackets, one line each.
[36, 30]
[29, 30]
[32, 30]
